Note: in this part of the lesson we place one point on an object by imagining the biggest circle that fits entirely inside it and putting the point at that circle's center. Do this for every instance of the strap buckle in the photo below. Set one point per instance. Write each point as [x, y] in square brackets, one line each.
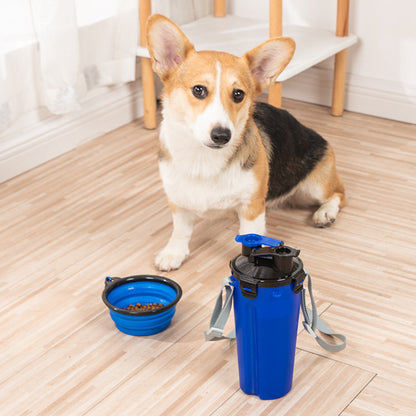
[214, 332]
[309, 329]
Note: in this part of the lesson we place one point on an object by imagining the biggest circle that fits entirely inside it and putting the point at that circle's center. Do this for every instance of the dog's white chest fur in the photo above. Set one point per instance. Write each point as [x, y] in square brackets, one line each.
[201, 179]
[221, 192]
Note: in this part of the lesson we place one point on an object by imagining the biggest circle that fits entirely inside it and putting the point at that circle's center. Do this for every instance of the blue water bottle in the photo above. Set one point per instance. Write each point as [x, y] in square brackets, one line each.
[267, 292]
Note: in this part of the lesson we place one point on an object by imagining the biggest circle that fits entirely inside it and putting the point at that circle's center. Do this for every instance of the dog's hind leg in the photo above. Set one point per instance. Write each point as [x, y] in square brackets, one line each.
[326, 214]
[332, 190]
[322, 187]
[172, 256]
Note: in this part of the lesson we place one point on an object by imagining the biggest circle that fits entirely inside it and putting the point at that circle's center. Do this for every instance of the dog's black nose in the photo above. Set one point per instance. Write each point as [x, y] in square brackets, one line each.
[220, 135]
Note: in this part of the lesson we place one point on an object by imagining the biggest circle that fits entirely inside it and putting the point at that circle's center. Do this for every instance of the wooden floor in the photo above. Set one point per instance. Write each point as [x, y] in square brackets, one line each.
[100, 211]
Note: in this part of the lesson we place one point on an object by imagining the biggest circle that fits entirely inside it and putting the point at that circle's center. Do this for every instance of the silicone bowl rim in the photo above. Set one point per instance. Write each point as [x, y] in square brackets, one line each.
[114, 282]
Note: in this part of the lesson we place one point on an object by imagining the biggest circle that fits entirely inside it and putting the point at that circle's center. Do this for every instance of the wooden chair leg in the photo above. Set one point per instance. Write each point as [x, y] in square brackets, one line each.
[148, 82]
[149, 94]
[338, 89]
[275, 18]
[340, 68]
[275, 29]
[275, 94]
[219, 8]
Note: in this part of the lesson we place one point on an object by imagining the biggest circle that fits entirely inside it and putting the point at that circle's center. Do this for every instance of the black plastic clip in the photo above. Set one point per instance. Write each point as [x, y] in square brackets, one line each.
[299, 279]
[249, 290]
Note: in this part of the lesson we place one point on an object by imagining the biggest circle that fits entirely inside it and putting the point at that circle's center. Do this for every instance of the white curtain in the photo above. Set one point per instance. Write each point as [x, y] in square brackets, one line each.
[52, 52]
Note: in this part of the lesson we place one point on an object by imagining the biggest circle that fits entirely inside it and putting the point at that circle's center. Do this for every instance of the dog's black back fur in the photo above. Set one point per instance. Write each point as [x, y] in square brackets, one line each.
[295, 149]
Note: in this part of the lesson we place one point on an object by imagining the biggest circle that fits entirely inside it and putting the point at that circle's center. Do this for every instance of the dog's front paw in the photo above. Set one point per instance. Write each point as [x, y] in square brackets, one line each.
[170, 258]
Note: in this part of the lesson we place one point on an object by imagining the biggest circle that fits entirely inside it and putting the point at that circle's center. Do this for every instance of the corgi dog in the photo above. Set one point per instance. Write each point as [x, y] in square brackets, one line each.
[222, 151]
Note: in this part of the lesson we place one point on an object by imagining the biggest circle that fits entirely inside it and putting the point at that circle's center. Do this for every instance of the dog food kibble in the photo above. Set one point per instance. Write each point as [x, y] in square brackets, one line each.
[147, 307]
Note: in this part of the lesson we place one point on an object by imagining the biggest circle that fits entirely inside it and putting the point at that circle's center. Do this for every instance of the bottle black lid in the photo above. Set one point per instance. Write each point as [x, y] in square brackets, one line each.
[272, 266]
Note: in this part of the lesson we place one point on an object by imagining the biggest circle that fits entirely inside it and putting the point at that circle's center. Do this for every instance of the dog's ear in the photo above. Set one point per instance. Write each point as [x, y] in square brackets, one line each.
[269, 59]
[167, 44]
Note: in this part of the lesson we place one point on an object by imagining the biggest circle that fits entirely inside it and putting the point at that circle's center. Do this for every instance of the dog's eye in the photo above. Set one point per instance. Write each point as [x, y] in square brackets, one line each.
[238, 95]
[199, 91]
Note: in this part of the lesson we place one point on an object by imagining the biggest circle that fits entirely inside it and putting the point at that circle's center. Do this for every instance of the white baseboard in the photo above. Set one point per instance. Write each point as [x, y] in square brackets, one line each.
[43, 137]
[386, 99]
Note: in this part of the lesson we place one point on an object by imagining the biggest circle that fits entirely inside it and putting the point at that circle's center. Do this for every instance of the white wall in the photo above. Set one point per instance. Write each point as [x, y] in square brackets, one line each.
[381, 70]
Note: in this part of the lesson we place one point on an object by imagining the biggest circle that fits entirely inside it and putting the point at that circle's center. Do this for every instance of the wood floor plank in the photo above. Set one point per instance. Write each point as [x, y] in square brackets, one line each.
[376, 342]
[320, 387]
[206, 382]
[383, 397]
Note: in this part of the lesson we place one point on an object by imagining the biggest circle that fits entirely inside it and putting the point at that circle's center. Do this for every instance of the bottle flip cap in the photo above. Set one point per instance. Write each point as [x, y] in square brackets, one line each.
[255, 240]
[250, 241]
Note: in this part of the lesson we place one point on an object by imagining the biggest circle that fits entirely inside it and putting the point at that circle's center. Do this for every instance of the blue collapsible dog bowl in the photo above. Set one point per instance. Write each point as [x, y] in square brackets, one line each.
[119, 293]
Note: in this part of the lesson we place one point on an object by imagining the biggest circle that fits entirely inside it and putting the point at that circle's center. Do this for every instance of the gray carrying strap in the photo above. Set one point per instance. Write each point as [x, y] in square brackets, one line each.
[311, 323]
[220, 314]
